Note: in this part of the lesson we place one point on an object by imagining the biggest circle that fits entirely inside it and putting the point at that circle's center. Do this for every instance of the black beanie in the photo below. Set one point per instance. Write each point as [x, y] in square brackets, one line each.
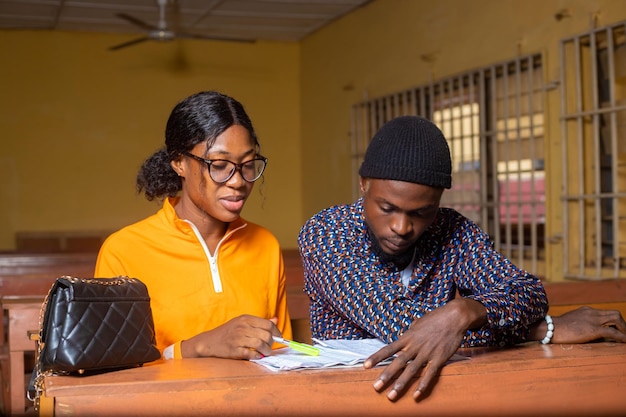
[410, 149]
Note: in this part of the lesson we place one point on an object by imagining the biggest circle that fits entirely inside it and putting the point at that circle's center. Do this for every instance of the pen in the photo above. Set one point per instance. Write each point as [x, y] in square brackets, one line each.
[300, 347]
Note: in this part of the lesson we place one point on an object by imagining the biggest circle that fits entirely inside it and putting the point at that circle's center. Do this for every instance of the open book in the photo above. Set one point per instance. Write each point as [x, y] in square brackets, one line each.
[333, 353]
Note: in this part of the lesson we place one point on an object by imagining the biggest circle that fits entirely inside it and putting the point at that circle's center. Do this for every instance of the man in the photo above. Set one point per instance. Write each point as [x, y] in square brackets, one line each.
[397, 267]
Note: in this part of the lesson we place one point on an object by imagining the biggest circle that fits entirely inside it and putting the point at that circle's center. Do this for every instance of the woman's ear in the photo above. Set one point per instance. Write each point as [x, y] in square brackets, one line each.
[178, 166]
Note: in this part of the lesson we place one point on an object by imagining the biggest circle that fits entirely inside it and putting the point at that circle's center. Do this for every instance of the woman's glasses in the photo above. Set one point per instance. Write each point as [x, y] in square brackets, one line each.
[221, 170]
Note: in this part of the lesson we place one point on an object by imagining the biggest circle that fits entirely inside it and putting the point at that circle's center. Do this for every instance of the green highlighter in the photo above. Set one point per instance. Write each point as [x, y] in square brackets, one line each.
[300, 347]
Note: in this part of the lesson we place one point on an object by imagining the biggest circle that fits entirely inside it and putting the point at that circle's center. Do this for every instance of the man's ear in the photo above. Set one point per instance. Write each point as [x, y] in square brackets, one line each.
[363, 185]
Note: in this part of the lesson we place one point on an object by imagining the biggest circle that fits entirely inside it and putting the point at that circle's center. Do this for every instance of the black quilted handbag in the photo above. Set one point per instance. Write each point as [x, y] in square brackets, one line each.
[94, 324]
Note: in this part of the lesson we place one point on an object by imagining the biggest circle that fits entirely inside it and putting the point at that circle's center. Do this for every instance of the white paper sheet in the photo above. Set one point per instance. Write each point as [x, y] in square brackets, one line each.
[333, 353]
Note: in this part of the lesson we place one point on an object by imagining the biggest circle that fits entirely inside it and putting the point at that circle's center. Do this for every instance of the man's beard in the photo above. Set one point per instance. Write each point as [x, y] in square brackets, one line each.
[401, 260]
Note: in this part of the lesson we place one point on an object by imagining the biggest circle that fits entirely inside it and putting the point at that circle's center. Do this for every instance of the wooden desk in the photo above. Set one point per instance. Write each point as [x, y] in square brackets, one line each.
[23, 313]
[525, 380]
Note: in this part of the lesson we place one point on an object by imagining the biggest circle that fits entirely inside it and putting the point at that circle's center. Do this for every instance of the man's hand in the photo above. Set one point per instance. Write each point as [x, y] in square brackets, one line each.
[426, 347]
[587, 324]
[244, 337]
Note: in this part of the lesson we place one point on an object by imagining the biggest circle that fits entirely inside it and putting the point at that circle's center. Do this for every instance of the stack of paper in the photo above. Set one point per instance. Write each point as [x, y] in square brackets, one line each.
[333, 353]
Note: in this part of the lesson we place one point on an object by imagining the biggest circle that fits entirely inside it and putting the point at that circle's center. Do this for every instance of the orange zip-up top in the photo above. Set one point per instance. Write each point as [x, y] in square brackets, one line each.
[192, 290]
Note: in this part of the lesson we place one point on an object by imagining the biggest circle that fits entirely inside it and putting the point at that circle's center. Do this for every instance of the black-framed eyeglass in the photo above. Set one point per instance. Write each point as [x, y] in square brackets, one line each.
[221, 170]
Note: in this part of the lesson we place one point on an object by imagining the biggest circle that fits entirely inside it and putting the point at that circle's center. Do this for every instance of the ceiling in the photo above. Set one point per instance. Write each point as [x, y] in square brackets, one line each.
[239, 20]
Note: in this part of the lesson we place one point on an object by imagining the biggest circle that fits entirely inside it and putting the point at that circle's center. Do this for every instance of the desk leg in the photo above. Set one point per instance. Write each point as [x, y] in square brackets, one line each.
[46, 406]
[16, 380]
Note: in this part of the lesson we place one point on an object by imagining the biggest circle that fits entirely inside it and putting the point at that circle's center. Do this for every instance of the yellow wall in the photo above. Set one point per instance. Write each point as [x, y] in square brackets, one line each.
[78, 120]
[392, 45]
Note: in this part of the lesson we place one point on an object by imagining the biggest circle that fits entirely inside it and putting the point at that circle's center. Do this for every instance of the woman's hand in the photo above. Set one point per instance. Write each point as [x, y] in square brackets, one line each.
[244, 337]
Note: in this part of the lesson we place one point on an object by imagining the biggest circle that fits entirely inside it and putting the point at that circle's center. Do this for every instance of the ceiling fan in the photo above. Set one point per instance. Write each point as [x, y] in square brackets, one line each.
[162, 31]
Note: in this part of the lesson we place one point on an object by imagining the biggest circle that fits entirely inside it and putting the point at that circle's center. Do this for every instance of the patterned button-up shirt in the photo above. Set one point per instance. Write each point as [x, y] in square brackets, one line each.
[354, 295]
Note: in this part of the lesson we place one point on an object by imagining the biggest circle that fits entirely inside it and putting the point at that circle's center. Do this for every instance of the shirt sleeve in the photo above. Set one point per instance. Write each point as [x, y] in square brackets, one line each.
[514, 299]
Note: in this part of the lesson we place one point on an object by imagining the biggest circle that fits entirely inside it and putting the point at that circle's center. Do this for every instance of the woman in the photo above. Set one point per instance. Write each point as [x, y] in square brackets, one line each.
[216, 281]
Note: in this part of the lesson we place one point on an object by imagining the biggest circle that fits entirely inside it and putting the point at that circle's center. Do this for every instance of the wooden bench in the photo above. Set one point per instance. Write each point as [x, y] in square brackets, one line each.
[28, 276]
[5, 377]
[570, 295]
[17, 263]
[88, 241]
[297, 300]
[33, 274]
[25, 274]
[23, 313]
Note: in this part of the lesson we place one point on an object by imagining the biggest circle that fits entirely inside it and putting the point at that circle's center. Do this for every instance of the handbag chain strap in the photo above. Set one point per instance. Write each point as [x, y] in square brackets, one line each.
[107, 282]
[40, 375]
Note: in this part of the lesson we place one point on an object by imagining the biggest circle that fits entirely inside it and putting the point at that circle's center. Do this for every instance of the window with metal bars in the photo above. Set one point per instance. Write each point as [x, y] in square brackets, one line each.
[593, 126]
[493, 120]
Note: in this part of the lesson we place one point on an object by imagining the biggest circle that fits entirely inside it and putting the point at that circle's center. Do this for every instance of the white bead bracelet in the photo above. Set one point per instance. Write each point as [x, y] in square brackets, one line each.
[550, 331]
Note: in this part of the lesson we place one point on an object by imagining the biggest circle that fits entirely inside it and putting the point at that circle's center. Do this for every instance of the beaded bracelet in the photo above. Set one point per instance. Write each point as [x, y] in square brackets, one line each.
[550, 331]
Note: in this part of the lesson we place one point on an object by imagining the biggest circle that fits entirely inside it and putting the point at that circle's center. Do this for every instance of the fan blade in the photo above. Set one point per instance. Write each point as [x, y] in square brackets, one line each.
[213, 38]
[129, 43]
[136, 22]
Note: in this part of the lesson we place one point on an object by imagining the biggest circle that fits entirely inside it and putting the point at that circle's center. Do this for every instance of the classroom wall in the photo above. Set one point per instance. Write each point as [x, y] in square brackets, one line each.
[391, 45]
[78, 120]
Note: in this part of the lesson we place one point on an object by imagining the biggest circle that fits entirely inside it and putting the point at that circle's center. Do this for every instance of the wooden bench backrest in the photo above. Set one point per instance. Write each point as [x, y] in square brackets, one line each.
[33, 274]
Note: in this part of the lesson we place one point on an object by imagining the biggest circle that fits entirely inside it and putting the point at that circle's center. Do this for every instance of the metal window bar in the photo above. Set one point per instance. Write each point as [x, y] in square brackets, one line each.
[491, 160]
[593, 115]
